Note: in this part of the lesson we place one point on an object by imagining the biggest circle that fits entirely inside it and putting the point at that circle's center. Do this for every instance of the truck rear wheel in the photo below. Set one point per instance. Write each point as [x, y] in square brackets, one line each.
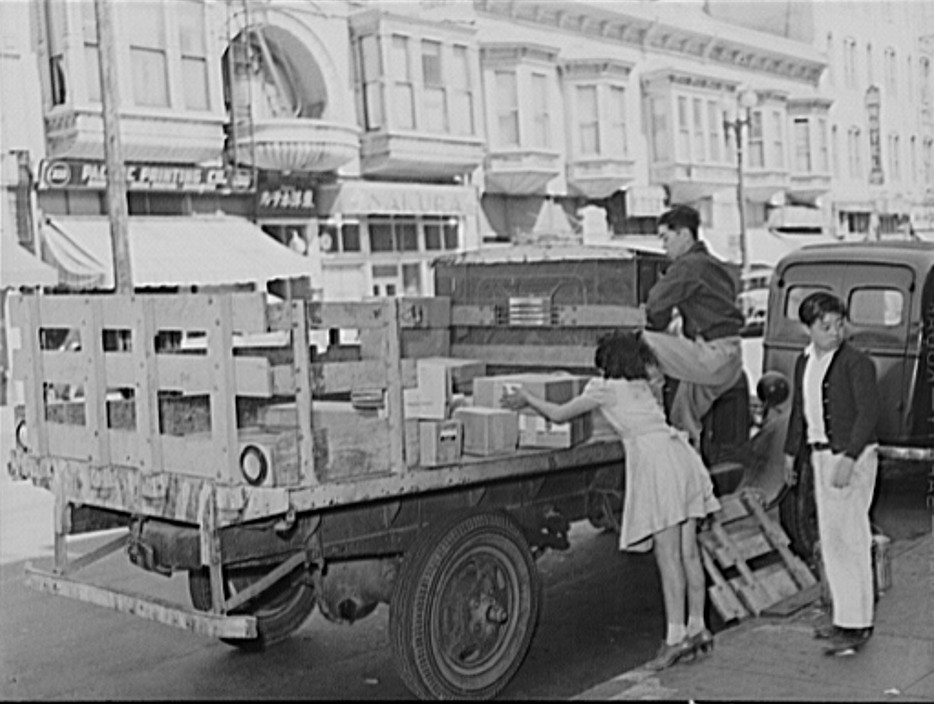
[465, 607]
[279, 610]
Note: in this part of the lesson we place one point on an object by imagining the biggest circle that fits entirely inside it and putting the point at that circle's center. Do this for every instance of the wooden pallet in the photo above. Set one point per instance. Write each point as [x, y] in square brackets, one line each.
[750, 563]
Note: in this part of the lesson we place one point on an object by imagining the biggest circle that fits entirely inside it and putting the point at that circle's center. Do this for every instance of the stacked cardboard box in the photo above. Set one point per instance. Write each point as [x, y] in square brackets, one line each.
[488, 431]
[438, 379]
[534, 430]
[440, 442]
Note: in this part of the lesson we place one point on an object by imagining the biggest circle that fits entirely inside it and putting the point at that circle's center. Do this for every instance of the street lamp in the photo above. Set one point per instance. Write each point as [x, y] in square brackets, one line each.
[739, 115]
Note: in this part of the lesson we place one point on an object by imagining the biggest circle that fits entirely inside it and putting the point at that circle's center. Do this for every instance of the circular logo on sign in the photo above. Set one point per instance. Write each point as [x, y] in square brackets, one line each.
[58, 173]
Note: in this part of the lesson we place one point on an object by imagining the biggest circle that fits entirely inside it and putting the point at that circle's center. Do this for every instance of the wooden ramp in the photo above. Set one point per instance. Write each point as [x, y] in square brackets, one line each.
[750, 563]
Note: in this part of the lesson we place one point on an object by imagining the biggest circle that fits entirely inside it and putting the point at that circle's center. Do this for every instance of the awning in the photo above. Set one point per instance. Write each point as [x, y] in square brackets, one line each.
[366, 197]
[18, 267]
[169, 251]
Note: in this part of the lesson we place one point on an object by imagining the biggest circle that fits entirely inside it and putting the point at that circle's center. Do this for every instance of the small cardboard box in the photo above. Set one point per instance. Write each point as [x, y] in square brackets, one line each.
[556, 388]
[461, 371]
[435, 388]
[537, 431]
[439, 442]
[488, 431]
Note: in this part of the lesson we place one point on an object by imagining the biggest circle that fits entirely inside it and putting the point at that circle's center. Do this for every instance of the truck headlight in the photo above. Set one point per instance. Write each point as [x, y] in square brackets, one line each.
[253, 464]
[20, 435]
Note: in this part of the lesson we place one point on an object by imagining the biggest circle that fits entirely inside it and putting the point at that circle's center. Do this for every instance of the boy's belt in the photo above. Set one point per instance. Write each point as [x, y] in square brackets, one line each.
[818, 446]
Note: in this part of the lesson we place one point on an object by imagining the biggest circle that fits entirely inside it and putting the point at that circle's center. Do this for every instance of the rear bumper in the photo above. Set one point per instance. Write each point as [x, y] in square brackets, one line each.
[146, 607]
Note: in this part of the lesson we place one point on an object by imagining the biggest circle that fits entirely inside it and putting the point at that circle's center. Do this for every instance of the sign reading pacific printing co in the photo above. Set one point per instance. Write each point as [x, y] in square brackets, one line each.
[92, 175]
[873, 106]
[285, 195]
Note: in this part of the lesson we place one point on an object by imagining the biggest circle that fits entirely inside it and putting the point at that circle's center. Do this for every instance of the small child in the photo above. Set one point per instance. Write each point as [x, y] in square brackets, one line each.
[667, 486]
[833, 418]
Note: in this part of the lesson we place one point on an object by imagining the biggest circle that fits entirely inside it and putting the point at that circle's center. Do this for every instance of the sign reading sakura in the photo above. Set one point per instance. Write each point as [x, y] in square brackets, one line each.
[92, 175]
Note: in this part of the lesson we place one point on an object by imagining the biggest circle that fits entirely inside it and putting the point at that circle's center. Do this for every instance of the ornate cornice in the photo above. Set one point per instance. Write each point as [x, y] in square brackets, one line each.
[632, 25]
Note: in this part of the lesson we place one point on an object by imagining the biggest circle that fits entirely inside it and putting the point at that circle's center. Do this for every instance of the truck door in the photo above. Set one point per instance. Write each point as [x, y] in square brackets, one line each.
[879, 302]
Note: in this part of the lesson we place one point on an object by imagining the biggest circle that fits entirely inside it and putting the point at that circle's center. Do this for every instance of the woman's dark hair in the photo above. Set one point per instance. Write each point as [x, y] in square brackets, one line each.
[623, 355]
[817, 305]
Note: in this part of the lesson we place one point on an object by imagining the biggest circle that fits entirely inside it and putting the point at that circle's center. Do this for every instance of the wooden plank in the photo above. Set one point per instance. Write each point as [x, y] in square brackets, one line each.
[721, 593]
[94, 555]
[613, 316]
[779, 540]
[423, 312]
[37, 432]
[60, 311]
[143, 606]
[190, 455]
[334, 377]
[353, 315]
[392, 355]
[95, 385]
[62, 367]
[752, 592]
[223, 407]
[527, 355]
[193, 311]
[267, 581]
[302, 385]
[72, 441]
[195, 374]
[746, 545]
[732, 508]
[149, 440]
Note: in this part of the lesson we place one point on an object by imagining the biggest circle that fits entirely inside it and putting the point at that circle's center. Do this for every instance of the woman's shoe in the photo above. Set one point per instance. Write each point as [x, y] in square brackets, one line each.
[701, 643]
[668, 655]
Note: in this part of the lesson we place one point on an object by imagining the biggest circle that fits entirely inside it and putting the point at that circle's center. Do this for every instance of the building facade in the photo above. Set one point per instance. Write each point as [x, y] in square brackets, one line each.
[373, 136]
[879, 80]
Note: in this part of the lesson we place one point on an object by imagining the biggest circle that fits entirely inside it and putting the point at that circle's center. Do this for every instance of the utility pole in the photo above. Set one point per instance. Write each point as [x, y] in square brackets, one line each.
[113, 149]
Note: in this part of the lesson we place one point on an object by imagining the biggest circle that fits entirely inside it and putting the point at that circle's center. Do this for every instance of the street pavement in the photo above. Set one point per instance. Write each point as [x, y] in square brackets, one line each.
[778, 658]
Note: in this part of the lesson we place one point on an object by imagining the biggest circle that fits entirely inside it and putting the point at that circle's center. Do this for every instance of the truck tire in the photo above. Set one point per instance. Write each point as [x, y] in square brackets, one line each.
[798, 513]
[465, 607]
[279, 611]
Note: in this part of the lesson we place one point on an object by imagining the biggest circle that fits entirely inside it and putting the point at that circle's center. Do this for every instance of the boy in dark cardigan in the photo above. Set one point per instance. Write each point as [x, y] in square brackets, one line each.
[833, 416]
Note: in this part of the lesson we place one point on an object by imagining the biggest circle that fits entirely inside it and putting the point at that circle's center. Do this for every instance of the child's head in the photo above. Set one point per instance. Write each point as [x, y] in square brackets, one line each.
[823, 314]
[623, 355]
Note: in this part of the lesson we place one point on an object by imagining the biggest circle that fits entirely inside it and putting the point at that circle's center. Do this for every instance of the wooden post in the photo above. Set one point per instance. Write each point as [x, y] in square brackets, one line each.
[113, 149]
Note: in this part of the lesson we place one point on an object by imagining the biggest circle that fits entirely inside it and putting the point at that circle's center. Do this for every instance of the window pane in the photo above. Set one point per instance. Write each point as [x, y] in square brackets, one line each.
[756, 149]
[195, 83]
[507, 108]
[660, 129]
[879, 307]
[191, 28]
[411, 279]
[700, 153]
[431, 64]
[146, 25]
[403, 92]
[618, 138]
[778, 141]
[407, 236]
[461, 96]
[542, 120]
[369, 48]
[93, 72]
[149, 77]
[380, 237]
[350, 237]
[684, 130]
[796, 294]
[802, 146]
[587, 114]
[450, 235]
[432, 235]
[713, 126]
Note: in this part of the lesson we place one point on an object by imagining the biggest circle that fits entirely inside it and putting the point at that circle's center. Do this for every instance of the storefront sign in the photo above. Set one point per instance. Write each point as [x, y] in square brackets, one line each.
[873, 108]
[645, 201]
[285, 195]
[92, 175]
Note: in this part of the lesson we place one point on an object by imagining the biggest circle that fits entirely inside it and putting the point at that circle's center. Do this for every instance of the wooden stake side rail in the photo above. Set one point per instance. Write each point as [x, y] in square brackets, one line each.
[117, 452]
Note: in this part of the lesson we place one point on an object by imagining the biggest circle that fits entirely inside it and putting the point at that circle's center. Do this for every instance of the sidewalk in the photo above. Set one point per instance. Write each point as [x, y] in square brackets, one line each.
[778, 659]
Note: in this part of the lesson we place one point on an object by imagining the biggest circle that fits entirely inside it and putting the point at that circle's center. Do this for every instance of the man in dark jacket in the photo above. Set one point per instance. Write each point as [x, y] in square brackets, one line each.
[707, 358]
[834, 413]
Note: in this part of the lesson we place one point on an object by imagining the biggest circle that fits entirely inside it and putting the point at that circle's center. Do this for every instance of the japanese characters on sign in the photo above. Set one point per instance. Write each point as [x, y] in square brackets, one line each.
[290, 195]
